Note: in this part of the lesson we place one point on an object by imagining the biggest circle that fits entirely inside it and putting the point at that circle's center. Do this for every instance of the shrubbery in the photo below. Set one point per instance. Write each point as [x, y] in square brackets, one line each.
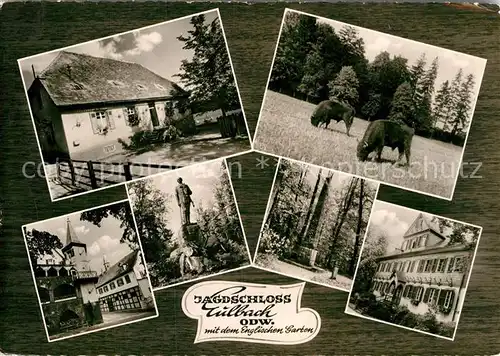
[273, 243]
[143, 139]
[368, 304]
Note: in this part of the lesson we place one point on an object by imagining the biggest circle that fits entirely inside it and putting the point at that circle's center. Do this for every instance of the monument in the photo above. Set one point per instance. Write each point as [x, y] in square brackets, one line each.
[189, 235]
[184, 201]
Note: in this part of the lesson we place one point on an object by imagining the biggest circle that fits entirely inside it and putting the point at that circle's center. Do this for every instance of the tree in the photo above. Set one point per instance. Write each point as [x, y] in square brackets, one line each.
[402, 108]
[344, 207]
[119, 211]
[316, 208]
[209, 76]
[453, 102]
[463, 105]
[417, 71]
[424, 91]
[314, 72]
[297, 37]
[357, 242]
[41, 243]
[151, 210]
[385, 76]
[441, 109]
[324, 59]
[375, 246]
[345, 86]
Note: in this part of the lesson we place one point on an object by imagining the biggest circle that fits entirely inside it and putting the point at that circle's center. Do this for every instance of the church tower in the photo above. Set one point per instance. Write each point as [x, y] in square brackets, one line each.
[75, 251]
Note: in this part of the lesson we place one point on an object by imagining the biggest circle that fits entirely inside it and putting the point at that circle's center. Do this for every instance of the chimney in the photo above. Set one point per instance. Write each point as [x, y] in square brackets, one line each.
[33, 70]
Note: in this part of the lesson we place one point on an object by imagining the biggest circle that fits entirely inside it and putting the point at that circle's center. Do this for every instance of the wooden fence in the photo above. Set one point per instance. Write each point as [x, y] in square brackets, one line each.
[92, 175]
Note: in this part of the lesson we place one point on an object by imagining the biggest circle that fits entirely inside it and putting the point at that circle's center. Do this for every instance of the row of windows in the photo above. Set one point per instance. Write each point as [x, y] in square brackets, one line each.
[127, 299]
[103, 120]
[432, 296]
[119, 282]
[415, 242]
[436, 265]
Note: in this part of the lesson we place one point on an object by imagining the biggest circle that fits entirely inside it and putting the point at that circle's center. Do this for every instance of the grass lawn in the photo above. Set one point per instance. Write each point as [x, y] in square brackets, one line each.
[284, 129]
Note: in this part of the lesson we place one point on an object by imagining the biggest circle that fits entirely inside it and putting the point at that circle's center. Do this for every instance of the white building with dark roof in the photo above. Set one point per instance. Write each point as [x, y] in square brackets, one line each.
[426, 273]
[82, 105]
[125, 285]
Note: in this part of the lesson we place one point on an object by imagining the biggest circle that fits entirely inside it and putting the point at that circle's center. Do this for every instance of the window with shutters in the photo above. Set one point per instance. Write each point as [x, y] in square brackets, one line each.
[434, 265]
[418, 293]
[427, 264]
[406, 291]
[132, 116]
[459, 264]
[448, 299]
[445, 300]
[421, 264]
[451, 265]
[441, 265]
[102, 122]
[432, 296]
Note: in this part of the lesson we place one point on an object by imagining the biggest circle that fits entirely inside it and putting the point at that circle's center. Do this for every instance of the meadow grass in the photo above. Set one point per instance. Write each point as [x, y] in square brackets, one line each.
[284, 129]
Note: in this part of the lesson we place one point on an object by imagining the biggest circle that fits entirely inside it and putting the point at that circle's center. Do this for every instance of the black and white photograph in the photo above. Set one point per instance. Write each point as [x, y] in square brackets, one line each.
[315, 223]
[134, 104]
[368, 103]
[89, 271]
[414, 270]
[189, 224]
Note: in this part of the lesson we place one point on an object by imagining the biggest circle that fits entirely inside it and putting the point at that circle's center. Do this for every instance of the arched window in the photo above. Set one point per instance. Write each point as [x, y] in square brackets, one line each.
[52, 272]
[63, 272]
[39, 272]
[64, 291]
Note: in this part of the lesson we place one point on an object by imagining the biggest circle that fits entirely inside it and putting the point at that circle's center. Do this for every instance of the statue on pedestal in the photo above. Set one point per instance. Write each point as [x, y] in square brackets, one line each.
[184, 201]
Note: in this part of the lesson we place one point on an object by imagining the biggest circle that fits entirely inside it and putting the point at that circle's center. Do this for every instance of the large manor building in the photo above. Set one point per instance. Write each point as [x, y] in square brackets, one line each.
[426, 273]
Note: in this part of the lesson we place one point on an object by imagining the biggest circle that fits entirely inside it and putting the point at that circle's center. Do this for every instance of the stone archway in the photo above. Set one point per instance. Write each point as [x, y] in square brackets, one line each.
[69, 319]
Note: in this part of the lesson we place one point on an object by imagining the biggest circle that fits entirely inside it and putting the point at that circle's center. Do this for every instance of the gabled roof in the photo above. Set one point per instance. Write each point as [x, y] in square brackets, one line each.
[76, 79]
[124, 266]
[421, 223]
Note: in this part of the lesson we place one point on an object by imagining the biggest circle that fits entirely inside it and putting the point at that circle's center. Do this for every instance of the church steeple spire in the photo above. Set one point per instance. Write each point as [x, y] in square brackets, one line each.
[72, 239]
[70, 233]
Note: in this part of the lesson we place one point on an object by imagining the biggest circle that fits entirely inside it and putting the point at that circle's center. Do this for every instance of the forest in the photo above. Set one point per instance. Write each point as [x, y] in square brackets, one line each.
[170, 257]
[321, 210]
[313, 62]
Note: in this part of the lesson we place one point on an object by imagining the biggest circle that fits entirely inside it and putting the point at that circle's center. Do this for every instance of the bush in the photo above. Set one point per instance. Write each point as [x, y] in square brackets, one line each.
[143, 139]
[273, 243]
[186, 125]
[401, 315]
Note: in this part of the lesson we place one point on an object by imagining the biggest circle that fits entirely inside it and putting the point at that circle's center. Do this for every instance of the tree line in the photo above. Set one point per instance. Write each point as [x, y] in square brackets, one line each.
[318, 214]
[313, 62]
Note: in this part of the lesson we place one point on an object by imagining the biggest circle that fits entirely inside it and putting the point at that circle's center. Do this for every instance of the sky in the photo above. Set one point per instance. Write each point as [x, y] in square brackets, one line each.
[101, 241]
[449, 61]
[201, 179]
[156, 48]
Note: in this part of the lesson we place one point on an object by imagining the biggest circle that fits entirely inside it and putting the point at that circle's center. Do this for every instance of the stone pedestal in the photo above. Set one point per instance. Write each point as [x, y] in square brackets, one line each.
[306, 255]
[191, 233]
